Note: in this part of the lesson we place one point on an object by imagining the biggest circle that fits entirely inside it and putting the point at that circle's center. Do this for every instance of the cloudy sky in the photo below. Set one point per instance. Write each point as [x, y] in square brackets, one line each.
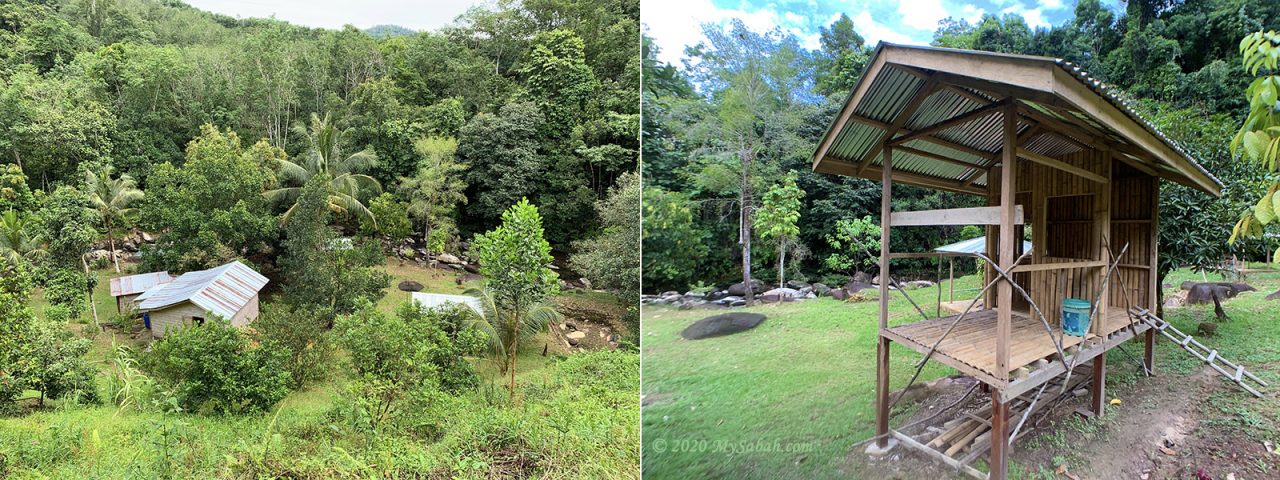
[416, 15]
[676, 23]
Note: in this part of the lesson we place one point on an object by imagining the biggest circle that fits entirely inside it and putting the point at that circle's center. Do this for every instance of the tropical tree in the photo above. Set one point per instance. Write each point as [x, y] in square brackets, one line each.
[514, 259]
[347, 183]
[111, 197]
[436, 190]
[853, 242]
[1259, 136]
[19, 238]
[612, 259]
[777, 216]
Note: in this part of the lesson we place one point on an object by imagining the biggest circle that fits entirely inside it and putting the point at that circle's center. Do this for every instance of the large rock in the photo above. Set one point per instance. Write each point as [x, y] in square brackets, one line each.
[740, 289]
[449, 259]
[410, 286]
[780, 294]
[716, 295]
[797, 285]
[840, 294]
[863, 277]
[856, 286]
[821, 289]
[585, 283]
[723, 324]
[471, 268]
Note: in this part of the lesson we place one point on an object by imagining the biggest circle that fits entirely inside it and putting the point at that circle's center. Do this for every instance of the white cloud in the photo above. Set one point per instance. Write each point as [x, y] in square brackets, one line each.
[972, 13]
[1051, 4]
[1034, 17]
[922, 14]
[676, 24]
[874, 31]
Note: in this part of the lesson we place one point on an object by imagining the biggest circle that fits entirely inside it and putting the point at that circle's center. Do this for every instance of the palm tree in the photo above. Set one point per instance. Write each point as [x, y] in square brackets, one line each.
[348, 184]
[505, 327]
[18, 240]
[112, 197]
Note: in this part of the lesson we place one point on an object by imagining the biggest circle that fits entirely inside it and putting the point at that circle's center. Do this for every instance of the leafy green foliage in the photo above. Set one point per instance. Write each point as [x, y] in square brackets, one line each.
[672, 241]
[435, 191]
[211, 206]
[414, 354]
[112, 198]
[777, 216]
[514, 258]
[302, 335]
[214, 368]
[611, 260]
[856, 242]
[322, 270]
[347, 185]
[1259, 136]
[393, 219]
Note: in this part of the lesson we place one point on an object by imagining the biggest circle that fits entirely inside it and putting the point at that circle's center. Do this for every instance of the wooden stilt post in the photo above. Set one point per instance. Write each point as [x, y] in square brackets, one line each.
[882, 346]
[1008, 242]
[1149, 351]
[999, 464]
[1099, 388]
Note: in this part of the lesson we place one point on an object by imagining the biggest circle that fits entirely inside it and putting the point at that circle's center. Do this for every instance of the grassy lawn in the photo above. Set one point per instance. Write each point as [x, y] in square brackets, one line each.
[788, 398]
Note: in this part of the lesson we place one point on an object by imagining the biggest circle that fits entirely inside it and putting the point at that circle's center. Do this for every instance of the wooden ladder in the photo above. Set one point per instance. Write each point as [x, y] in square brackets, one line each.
[1233, 372]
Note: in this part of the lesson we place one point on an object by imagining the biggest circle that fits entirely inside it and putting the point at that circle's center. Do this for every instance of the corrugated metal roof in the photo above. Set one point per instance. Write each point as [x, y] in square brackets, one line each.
[434, 300]
[134, 284]
[894, 87]
[972, 246]
[223, 290]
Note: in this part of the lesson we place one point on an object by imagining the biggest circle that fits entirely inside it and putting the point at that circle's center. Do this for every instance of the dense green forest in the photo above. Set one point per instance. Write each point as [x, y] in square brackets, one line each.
[495, 158]
[722, 130]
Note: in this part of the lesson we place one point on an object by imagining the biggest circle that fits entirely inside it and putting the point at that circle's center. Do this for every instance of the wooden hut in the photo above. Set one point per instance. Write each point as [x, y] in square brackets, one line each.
[228, 292]
[1047, 146]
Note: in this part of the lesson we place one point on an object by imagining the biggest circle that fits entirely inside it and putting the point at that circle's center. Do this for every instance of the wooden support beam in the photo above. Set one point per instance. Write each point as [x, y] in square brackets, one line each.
[1098, 402]
[942, 158]
[953, 216]
[1040, 267]
[871, 122]
[926, 90]
[840, 167]
[1149, 351]
[961, 119]
[999, 464]
[882, 349]
[1008, 198]
[1060, 165]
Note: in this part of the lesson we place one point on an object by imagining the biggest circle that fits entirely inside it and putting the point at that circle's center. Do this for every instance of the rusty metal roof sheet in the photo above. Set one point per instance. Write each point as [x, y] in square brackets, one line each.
[223, 290]
[135, 284]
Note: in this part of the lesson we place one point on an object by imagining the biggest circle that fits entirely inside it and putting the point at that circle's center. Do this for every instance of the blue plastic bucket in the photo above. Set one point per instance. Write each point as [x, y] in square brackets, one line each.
[1075, 317]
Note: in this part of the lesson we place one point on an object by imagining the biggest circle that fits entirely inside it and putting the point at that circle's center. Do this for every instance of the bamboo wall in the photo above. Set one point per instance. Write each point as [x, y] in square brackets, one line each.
[1069, 217]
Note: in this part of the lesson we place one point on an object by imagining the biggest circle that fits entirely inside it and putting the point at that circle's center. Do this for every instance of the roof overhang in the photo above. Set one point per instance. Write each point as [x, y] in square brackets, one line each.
[909, 93]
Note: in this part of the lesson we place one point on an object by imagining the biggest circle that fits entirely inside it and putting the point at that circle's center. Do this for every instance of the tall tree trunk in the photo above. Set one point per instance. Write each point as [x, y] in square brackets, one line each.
[112, 241]
[744, 229]
[782, 262]
[93, 307]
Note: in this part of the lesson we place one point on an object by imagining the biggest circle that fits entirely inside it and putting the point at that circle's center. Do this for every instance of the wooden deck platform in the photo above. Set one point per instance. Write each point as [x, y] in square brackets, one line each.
[971, 347]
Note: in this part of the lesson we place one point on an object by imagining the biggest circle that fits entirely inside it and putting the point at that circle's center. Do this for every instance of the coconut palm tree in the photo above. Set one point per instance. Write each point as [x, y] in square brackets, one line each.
[111, 197]
[507, 326]
[347, 185]
[18, 238]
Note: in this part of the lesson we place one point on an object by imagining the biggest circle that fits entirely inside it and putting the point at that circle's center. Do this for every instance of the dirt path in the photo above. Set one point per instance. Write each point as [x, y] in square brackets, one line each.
[1165, 427]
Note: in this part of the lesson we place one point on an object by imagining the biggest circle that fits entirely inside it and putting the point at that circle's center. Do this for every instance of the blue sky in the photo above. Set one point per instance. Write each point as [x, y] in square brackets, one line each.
[676, 23]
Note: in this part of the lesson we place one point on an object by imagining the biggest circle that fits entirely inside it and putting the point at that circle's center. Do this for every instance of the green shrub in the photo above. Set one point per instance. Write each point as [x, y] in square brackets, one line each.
[300, 332]
[127, 320]
[411, 355]
[212, 368]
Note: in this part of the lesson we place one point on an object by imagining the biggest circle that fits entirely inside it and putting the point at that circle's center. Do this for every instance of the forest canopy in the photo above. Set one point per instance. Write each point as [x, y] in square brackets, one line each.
[541, 90]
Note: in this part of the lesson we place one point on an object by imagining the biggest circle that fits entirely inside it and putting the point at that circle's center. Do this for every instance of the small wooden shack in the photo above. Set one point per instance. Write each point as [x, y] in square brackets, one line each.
[1049, 149]
[126, 289]
[229, 292]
